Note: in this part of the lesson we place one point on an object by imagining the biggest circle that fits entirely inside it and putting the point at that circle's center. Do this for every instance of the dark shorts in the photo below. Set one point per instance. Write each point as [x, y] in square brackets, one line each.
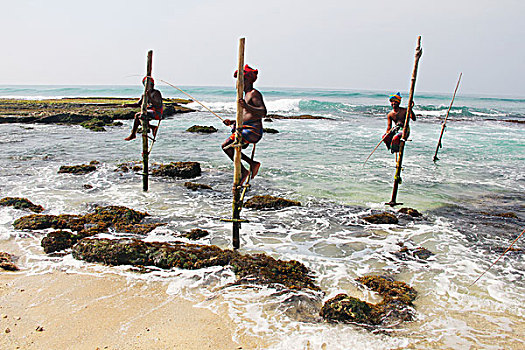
[249, 133]
[154, 115]
[393, 139]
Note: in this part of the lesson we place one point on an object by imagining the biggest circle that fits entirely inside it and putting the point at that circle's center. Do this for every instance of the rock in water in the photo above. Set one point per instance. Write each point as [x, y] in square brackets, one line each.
[21, 203]
[269, 202]
[382, 218]
[185, 170]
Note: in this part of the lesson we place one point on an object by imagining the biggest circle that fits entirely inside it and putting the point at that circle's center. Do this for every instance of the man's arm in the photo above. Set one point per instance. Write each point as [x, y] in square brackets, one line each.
[389, 122]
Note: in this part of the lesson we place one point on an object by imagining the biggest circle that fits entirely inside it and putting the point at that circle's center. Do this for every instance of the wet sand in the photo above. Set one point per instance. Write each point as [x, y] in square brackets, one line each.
[61, 310]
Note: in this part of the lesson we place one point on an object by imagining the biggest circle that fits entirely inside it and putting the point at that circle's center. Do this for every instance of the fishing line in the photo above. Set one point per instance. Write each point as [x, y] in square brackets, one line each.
[194, 99]
[494, 263]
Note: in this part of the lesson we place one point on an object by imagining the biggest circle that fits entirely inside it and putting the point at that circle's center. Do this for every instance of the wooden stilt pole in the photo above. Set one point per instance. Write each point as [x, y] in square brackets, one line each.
[397, 176]
[445, 121]
[144, 112]
[236, 215]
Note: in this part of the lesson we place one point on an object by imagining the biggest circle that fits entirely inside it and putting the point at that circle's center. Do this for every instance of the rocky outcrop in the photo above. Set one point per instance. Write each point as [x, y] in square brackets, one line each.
[6, 262]
[196, 186]
[270, 131]
[21, 203]
[202, 129]
[269, 202]
[381, 218]
[195, 234]
[120, 219]
[93, 113]
[410, 211]
[257, 268]
[396, 306]
[419, 253]
[81, 169]
[185, 170]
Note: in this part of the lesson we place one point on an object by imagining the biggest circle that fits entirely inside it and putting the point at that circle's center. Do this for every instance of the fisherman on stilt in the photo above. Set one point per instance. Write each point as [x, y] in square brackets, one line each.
[395, 123]
[254, 111]
[155, 109]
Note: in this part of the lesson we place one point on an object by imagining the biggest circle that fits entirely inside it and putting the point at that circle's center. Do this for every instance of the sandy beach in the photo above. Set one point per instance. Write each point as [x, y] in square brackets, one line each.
[61, 310]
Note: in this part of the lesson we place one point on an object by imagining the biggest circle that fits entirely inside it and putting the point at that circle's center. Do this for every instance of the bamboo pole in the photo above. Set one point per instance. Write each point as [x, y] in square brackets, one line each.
[445, 121]
[144, 114]
[397, 176]
[236, 215]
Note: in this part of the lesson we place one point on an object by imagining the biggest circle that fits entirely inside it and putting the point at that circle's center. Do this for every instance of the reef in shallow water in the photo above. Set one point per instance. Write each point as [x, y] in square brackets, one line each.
[78, 169]
[196, 186]
[184, 170]
[21, 203]
[6, 262]
[119, 218]
[257, 268]
[395, 307]
[269, 202]
[202, 129]
[381, 218]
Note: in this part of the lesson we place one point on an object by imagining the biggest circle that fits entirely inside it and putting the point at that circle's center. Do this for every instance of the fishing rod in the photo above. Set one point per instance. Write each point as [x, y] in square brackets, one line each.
[445, 121]
[194, 99]
[382, 139]
[494, 263]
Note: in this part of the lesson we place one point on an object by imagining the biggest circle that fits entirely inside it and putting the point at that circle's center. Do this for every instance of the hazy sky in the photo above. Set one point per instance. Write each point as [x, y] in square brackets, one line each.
[367, 44]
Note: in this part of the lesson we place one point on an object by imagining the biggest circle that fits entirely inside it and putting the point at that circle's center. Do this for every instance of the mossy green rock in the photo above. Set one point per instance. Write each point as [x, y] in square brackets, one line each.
[118, 218]
[410, 211]
[185, 170]
[396, 305]
[202, 129]
[382, 218]
[6, 262]
[196, 186]
[259, 268]
[344, 308]
[195, 234]
[269, 202]
[81, 169]
[21, 203]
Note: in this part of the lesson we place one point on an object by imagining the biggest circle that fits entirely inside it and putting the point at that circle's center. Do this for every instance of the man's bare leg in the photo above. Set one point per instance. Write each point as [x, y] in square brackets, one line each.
[254, 167]
[133, 134]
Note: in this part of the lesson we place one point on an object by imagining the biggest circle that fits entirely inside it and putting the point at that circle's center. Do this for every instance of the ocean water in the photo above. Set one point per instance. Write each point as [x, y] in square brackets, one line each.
[480, 174]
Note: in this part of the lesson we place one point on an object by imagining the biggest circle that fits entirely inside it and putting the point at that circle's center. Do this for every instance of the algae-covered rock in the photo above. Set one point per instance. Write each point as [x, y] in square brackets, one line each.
[389, 289]
[382, 218]
[119, 218]
[269, 202]
[185, 170]
[510, 215]
[78, 169]
[410, 211]
[59, 240]
[6, 262]
[258, 268]
[21, 203]
[195, 234]
[202, 129]
[418, 253]
[344, 308]
[396, 305]
[96, 124]
[196, 186]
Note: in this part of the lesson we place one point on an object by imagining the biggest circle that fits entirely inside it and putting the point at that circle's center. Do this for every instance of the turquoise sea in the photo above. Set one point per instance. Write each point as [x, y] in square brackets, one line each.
[480, 175]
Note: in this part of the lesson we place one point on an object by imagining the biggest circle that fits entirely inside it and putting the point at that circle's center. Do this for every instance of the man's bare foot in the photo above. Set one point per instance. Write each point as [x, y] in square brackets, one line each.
[255, 168]
[130, 137]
